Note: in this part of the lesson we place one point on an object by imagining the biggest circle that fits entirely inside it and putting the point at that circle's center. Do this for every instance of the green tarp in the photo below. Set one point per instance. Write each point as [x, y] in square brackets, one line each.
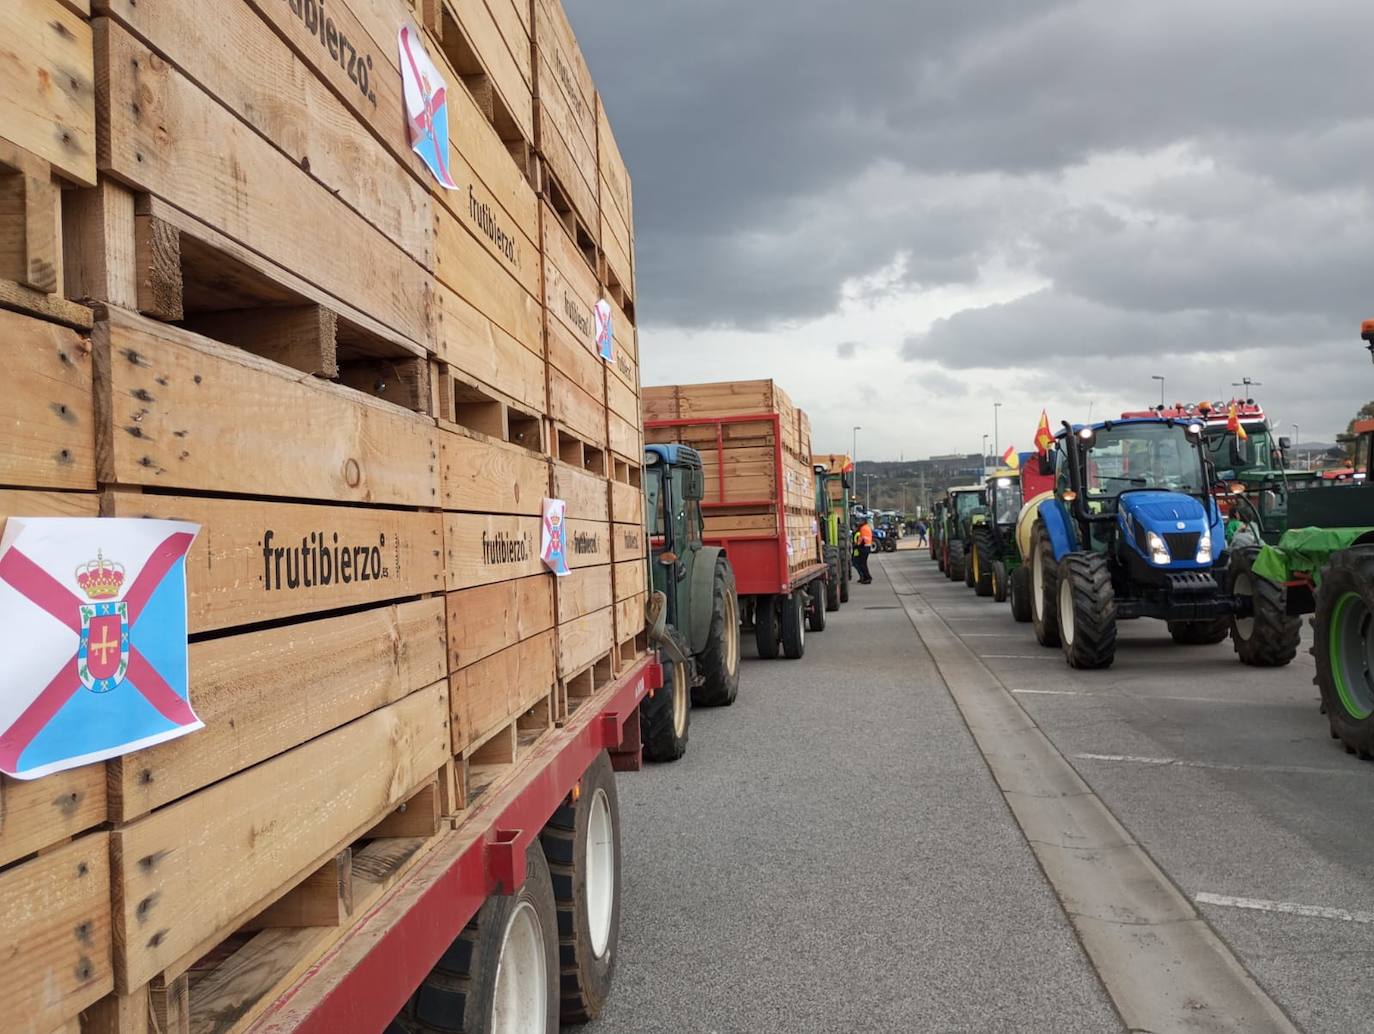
[1303, 550]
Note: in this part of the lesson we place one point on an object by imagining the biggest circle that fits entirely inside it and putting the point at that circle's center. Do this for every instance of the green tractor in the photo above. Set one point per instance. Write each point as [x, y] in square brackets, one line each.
[994, 556]
[963, 502]
[832, 509]
[693, 611]
[935, 533]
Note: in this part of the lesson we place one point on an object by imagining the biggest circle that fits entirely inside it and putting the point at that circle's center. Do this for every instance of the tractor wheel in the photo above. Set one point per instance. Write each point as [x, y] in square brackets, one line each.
[1343, 646]
[718, 663]
[999, 582]
[832, 578]
[1044, 595]
[767, 627]
[1020, 594]
[939, 558]
[967, 548]
[1087, 610]
[1269, 637]
[792, 610]
[1200, 633]
[664, 717]
[815, 605]
[982, 573]
[848, 563]
[954, 561]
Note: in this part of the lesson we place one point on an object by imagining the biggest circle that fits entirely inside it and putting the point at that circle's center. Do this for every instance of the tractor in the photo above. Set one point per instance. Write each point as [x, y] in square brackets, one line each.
[994, 556]
[832, 509]
[935, 533]
[1134, 529]
[693, 611]
[956, 535]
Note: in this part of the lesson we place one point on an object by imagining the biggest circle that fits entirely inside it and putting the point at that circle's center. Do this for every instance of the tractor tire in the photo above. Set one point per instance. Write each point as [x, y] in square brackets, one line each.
[954, 561]
[1341, 629]
[1087, 610]
[665, 716]
[981, 575]
[815, 605]
[461, 992]
[718, 662]
[1269, 637]
[792, 613]
[967, 549]
[940, 559]
[832, 578]
[582, 846]
[848, 574]
[767, 627]
[1044, 594]
[999, 582]
[1020, 594]
[1200, 633]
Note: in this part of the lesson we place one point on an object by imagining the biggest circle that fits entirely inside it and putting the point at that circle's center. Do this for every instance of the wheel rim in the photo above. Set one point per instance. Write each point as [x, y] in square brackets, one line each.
[977, 571]
[1245, 627]
[1038, 586]
[520, 1004]
[800, 608]
[1066, 612]
[679, 701]
[1352, 655]
[600, 867]
[731, 633]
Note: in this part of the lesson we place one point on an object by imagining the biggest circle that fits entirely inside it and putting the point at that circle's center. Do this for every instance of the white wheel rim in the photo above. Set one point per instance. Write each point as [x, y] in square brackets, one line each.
[1038, 586]
[1066, 612]
[731, 634]
[520, 1004]
[1245, 587]
[679, 700]
[600, 866]
[801, 621]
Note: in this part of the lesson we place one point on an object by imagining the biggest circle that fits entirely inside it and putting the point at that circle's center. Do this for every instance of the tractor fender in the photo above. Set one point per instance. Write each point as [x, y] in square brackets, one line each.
[1055, 518]
[1025, 521]
[703, 591]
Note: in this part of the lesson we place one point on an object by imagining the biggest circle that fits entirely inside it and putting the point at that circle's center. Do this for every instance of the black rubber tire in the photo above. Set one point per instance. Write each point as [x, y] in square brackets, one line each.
[1019, 593]
[954, 563]
[720, 684]
[767, 627]
[1045, 619]
[585, 979]
[832, 578]
[1349, 571]
[1270, 638]
[1090, 641]
[1200, 633]
[815, 606]
[967, 548]
[940, 560]
[458, 994]
[844, 582]
[662, 738]
[1000, 588]
[981, 575]
[792, 609]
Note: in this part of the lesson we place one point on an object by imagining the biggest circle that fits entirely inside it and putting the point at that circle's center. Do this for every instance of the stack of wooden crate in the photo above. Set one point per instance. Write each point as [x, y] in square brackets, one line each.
[231, 293]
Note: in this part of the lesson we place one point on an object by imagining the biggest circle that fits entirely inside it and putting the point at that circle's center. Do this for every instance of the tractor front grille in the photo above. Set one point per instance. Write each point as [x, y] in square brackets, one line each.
[1182, 544]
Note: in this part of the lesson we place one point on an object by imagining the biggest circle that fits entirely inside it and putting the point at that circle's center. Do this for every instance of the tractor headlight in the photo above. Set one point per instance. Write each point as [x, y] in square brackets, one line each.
[1204, 547]
[1159, 552]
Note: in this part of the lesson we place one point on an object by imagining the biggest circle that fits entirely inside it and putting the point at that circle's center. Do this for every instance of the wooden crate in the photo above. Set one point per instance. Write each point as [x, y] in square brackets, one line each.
[565, 120]
[631, 579]
[489, 618]
[485, 548]
[584, 591]
[484, 475]
[617, 213]
[488, 697]
[585, 641]
[629, 618]
[724, 398]
[625, 365]
[803, 541]
[589, 543]
[627, 494]
[627, 542]
[587, 496]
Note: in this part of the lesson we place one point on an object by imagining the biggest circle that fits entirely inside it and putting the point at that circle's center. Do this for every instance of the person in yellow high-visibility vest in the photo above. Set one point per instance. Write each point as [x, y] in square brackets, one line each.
[863, 545]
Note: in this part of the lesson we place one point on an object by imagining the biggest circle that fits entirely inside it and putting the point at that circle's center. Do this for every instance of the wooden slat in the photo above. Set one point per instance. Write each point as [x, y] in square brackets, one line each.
[570, 286]
[583, 591]
[587, 495]
[629, 578]
[487, 476]
[191, 872]
[47, 437]
[30, 222]
[324, 898]
[624, 437]
[584, 640]
[589, 543]
[572, 406]
[627, 542]
[507, 74]
[571, 357]
[489, 618]
[262, 693]
[480, 350]
[182, 411]
[482, 549]
[489, 694]
[232, 579]
[629, 617]
[627, 503]
[621, 398]
[616, 190]
[465, 267]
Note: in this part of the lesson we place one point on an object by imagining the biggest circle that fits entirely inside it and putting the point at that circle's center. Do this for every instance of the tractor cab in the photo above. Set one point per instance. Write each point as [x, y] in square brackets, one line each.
[674, 483]
[1004, 499]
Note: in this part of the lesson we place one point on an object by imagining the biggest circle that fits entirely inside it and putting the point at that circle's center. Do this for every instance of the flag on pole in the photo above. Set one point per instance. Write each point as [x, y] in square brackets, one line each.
[95, 612]
[1010, 459]
[1044, 439]
[1234, 425]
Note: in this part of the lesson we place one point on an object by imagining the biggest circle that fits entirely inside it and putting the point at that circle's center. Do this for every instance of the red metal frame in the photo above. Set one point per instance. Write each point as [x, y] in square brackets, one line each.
[759, 561]
[365, 979]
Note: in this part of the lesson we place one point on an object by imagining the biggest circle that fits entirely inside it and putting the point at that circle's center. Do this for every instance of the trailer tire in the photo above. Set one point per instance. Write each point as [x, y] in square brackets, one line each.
[767, 627]
[793, 615]
[459, 995]
[954, 561]
[718, 663]
[665, 717]
[832, 578]
[1269, 637]
[1044, 594]
[1019, 592]
[1200, 633]
[1087, 610]
[999, 582]
[1341, 628]
[815, 605]
[582, 846]
[981, 575]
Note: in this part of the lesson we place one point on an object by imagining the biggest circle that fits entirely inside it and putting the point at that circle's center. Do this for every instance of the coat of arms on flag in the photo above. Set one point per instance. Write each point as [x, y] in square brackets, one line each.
[553, 546]
[426, 97]
[605, 332]
[94, 613]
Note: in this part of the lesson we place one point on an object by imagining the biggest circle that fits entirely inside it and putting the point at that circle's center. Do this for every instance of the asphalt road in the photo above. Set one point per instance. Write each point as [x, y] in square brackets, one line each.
[833, 854]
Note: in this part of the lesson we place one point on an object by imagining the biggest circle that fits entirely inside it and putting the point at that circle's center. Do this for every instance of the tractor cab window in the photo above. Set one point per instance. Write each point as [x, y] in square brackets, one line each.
[693, 522]
[653, 500]
[1129, 457]
[966, 502]
[1362, 452]
[1253, 454]
[1006, 501]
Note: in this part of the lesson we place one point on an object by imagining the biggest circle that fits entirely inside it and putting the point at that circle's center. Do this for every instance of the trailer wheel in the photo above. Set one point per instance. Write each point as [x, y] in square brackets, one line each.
[718, 664]
[500, 975]
[1020, 594]
[767, 627]
[999, 582]
[954, 560]
[1200, 633]
[982, 574]
[832, 579]
[1087, 610]
[794, 624]
[815, 607]
[582, 845]
[1269, 637]
[1343, 647]
[1044, 589]
[664, 717]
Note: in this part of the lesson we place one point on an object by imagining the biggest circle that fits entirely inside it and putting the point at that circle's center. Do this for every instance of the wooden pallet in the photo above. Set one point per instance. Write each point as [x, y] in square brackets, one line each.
[489, 766]
[567, 445]
[576, 689]
[474, 407]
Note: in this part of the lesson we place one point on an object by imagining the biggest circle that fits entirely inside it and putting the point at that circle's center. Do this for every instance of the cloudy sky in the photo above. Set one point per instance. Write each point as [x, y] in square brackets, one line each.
[906, 210]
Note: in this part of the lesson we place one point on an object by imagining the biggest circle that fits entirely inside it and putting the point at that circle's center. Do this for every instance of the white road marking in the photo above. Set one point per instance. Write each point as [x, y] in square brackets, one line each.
[1285, 907]
[1047, 692]
[1219, 766]
[1018, 656]
[1133, 758]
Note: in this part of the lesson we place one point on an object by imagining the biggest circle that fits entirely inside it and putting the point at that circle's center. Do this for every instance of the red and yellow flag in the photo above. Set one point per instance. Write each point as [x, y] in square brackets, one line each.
[1234, 425]
[1010, 459]
[1043, 438]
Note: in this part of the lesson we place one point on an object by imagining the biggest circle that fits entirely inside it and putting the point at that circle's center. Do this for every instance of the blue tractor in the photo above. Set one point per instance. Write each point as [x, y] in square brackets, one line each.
[1133, 530]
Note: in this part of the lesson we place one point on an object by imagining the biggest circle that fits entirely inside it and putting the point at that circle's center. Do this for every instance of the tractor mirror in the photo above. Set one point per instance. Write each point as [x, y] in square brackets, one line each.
[1237, 452]
[1285, 444]
[1046, 465]
[695, 488]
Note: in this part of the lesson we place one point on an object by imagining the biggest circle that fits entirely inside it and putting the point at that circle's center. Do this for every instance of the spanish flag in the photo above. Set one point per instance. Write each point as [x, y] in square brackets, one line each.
[1010, 459]
[1234, 425]
[1043, 438]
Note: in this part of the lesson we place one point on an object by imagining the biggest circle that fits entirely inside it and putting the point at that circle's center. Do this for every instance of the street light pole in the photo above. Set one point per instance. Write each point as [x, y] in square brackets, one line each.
[983, 460]
[1297, 438]
[1157, 377]
[996, 436]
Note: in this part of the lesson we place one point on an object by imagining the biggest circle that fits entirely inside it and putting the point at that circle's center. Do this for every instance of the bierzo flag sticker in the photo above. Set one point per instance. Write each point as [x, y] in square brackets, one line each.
[553, 541]
[93, 613]
[605, 333]
[426, 98]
